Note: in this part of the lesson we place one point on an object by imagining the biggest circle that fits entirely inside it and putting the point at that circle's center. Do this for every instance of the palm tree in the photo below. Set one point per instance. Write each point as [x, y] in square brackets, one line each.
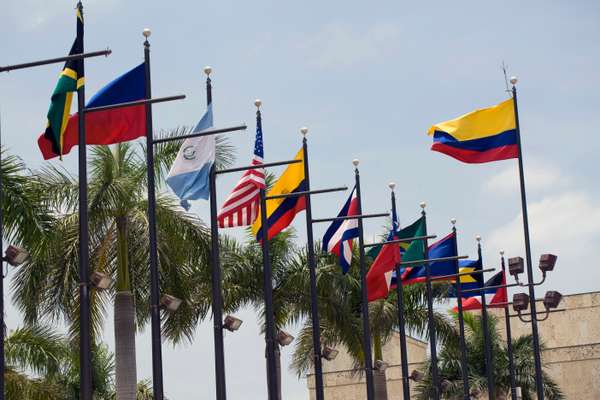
[340, 318]
[449, 367]
[46, 286]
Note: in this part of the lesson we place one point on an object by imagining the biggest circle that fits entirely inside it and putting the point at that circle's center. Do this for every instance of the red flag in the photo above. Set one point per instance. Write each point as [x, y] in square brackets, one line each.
[379, 277]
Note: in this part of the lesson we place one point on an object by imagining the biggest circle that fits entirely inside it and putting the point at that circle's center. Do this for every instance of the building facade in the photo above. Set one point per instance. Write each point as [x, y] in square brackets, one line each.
[572, 353]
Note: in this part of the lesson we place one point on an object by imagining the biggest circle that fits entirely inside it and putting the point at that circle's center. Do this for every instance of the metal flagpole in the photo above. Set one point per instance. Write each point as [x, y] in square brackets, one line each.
[312, 268]
[509, 348]
[364, 296]
[157, 375]
[489, 361]
[461, 324]
[401, 318]
[539, 383]
[430, 319]
[272, 383]
[85, 345]
[216, 292]
[2, 366]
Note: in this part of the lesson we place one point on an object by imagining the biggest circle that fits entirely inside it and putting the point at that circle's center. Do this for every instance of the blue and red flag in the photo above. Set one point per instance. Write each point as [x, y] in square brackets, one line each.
[340, 234]
[111, 126]
[445, 247]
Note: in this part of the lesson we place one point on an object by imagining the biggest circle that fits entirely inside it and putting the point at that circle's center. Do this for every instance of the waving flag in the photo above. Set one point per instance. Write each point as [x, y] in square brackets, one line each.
[189, 174]
[242, 205]
[338, 237]
[109, 126]
[467, 282]
[499, 298]
[480, 136]
[445, 247]
[281, 212]
[379, 277]
[71, 78]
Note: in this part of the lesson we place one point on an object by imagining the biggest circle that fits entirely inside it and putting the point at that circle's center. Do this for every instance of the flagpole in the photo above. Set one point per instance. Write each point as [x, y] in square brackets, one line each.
[272, 383]
[312, 268]
[216, 291]
[461, 324]
[157, 373]
[489, 361]
[2, 261]
[401, 317]
[509, 348]
[85, 347]
[539, 383]
[364, 295]
[430, 318]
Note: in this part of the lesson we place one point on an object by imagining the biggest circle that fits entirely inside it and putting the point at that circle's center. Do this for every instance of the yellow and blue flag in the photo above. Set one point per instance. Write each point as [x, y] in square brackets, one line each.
[281, 212]
[481, 136]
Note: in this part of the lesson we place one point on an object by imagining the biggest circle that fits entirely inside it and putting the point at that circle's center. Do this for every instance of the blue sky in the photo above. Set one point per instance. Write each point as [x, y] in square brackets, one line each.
[368, 79]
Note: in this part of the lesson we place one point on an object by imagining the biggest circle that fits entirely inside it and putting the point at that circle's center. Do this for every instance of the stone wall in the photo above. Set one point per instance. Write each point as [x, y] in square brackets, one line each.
[571, 337]
[342, 383]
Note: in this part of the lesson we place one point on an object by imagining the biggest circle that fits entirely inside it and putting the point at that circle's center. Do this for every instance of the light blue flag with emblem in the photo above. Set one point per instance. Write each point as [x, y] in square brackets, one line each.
[189, 173]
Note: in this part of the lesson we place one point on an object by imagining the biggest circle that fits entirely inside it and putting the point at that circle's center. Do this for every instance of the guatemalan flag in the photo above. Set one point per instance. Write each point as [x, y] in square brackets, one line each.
[189, 175]
[339, 235]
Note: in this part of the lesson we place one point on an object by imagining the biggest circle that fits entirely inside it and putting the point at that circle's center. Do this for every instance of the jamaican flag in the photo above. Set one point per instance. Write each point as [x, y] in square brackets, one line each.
[71, 78]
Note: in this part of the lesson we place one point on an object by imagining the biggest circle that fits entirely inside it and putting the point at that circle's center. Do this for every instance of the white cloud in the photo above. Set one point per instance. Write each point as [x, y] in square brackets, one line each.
[566, 224]
[539, 177]
[343, 45]
[30, 15]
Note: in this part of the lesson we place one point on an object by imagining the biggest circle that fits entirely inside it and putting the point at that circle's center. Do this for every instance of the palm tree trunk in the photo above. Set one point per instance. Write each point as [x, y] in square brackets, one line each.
[277, 368]
[379, 377]
[125, 362]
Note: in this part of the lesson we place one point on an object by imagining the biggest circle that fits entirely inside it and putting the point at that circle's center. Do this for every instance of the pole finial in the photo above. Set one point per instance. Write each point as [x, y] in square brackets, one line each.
[502, 253]
[304, 131]
[422, 205]
[478, 238]
[258, 103]
[392, 186]
[207, 70]
[355, 162]
[453, 221]
[147, 32]
[513, 80]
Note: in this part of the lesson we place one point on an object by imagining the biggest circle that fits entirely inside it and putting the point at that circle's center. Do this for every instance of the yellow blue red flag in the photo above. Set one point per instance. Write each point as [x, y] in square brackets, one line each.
[481, 136]
[281, 212]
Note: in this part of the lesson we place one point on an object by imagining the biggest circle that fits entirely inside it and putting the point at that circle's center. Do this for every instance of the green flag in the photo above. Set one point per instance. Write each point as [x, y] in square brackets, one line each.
[412, 250]
[71, 78]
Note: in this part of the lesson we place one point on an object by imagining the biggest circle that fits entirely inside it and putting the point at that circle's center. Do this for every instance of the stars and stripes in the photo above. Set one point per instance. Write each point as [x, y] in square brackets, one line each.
[242, 206]
[339, 235]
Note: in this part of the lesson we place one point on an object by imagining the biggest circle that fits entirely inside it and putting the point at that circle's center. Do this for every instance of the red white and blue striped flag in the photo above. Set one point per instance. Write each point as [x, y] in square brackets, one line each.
[242, 205]
[339, 235]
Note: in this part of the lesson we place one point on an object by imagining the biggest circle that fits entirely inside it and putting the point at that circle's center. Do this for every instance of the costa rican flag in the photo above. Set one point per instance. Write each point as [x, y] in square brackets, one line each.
[242, 205]
[339, 235]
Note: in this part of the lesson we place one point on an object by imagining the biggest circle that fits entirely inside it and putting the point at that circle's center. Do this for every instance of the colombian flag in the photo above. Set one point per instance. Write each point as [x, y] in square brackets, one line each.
[480, 136]
[110, 126]
[281, 212]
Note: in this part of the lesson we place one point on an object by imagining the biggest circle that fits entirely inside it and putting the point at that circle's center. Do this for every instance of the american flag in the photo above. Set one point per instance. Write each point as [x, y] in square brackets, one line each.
[241, 207]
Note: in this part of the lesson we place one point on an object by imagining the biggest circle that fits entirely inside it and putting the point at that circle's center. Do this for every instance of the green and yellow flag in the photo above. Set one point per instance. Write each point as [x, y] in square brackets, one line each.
[71, 78]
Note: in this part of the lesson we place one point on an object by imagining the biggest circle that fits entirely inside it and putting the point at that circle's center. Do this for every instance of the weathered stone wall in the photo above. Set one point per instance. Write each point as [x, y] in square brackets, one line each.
[341, 383]
[571, 337]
